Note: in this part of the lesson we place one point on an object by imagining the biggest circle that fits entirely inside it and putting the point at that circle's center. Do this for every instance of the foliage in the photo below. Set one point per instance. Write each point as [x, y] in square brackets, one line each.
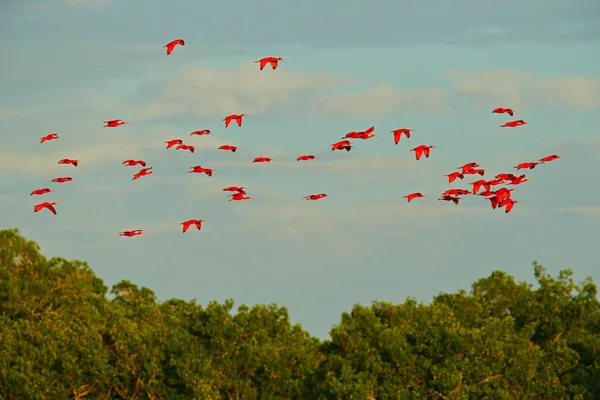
[61, 337]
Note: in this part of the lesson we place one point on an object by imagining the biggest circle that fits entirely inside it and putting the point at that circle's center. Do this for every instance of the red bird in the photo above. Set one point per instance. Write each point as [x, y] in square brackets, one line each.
[239, 189]
[274, 61]
[69, 161]
[452, 176]
[143, 172]
[239, 196]
[506, 177]
[422, 150]
[341, 145]
[456, 192]
[549, 158]
[62, 180]
[493, 201]
[518, 180]
[50, 136]
[190, 222]
[40, 191]
[228, 147]
[468, 166]
[49, 206]
[450, 198]
[512, 124]
[306, 158]
[477, 185]
[202, 132]
[488, 184]
[199, 170]
[171, 143]
[132, 233]
[501, 110]
[398, 134]
[530, 165]
[474, 171]
[412, 196]
[185, 147]
[502, 194]
[368, 134]
[487, 193]
[171, 45]
[262, 159]
[133, 163]
[508, 204]
[315, 196]
[113, 123]
[236, 117]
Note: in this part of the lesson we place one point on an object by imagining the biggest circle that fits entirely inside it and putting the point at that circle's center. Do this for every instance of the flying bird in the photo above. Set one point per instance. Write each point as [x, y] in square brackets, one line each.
[452, 176]
[190, 222]
[67, 161]
[468, 166]
[341, 145]
[306, 158]
[549, 158]
[398, 134]
[474, 171]
[171, 143]
[315, 196]
[367, 134]
[228, 147]
[48, 137]
[513, 124]
[171, 45]
[477, 185]
[262, 159]
[202, 132]
[62, 180]
[501, 110]
[453, 199]
[200, 170]
[236, 117]
[113, 123]
[238, 196]
[185, 147]
[239, 189]
[48, 205]
[518, 180]
[133, 163]
[143, 172]
[530, 165]
[132, 233]
[274, 61]
[412, 196]
[40, 191]
[422, 150]
[508, 204]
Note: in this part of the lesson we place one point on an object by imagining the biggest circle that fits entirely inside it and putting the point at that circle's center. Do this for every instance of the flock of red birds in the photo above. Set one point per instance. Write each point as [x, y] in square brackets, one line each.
[499, 198]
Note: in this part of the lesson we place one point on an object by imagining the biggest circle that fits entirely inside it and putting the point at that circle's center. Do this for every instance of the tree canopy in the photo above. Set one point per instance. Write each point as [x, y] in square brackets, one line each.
[61, 336]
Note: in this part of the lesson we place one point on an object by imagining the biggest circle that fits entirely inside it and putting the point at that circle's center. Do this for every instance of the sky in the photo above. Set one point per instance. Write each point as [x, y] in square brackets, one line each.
[436, 67]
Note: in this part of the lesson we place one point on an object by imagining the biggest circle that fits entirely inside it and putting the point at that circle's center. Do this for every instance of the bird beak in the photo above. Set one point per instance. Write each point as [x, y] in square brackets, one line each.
[125, 123]
[284, 60]
[256, 62]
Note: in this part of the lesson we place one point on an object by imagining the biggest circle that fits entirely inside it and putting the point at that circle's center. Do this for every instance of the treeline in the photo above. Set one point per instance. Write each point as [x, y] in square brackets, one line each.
[61, 337]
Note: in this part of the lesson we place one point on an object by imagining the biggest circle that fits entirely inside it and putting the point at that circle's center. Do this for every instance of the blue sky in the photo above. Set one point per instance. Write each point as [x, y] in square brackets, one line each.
[434, 67]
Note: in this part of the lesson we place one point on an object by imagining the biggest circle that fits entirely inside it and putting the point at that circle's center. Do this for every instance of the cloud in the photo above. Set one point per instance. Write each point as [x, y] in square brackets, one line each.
[384, 100]
[208, 92]
[522, 90]
[34, 163]
[391, 214]
[588, 211]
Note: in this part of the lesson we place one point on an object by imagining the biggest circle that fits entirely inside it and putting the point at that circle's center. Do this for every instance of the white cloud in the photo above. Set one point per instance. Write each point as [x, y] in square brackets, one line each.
[384, 100]
[519, 89]
[589, 211]
[116, 150]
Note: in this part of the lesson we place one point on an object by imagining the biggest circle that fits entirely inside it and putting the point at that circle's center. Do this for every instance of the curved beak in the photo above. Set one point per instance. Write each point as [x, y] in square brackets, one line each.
[284, 60]
[256, 62]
